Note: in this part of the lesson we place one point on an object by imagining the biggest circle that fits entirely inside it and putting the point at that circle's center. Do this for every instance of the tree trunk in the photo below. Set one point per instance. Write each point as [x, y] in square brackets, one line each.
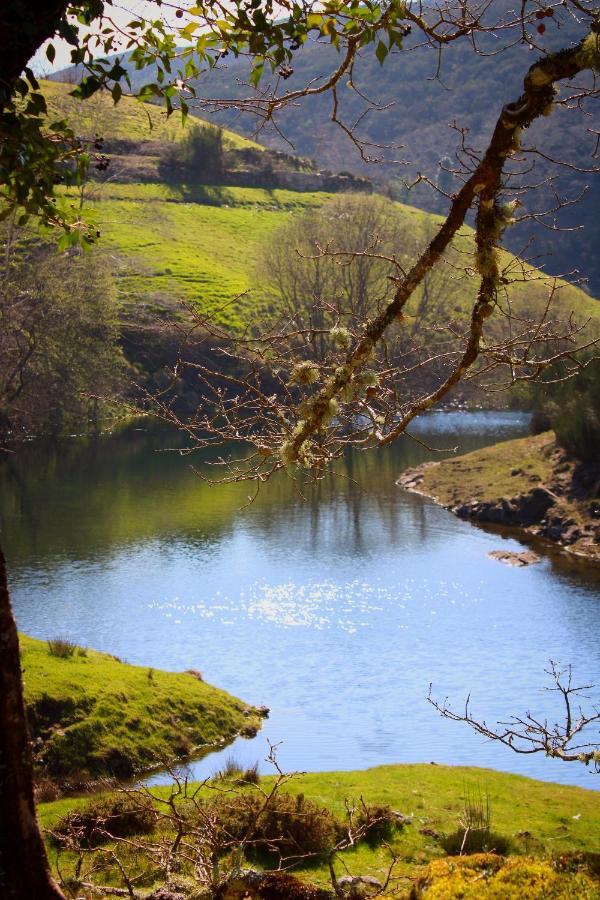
[24, 26]
[24, 869]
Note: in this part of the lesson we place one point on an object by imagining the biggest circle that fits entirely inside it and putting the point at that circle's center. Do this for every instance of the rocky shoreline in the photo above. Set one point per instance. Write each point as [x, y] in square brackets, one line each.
[555, 500]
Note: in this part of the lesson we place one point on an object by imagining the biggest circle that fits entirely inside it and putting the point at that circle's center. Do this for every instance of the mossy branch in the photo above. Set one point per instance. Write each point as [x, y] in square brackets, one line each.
[483, 187]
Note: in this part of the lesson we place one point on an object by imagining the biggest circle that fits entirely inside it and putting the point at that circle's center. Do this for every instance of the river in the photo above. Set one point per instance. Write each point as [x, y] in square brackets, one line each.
[336, 611]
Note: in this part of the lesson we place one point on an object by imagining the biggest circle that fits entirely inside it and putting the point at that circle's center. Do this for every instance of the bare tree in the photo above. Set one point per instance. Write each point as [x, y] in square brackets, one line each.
[325, 269]
[530, 733]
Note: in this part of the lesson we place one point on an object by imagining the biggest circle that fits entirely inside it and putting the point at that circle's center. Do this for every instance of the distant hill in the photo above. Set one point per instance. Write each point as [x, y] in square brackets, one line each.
[418, 114]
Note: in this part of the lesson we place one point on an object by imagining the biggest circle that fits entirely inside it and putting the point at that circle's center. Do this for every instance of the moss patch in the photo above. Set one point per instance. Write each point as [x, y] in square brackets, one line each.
[488, 877]
[93, 715]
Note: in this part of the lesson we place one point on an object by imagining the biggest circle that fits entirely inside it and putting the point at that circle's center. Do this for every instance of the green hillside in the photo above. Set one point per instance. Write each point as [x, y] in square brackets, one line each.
[131, 120]
[92, 715]
[416, 110]
[170, 250]
[197, 244]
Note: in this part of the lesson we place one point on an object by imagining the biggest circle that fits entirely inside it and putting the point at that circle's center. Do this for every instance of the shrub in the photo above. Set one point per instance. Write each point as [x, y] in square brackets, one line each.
[488, 877]
[61, 647]
[572, 409]
[251, 775]
[197, 157]
[475, 834]
[232, 769]
[288, 826]
[378, 822]
[465, 841]
[97, 823]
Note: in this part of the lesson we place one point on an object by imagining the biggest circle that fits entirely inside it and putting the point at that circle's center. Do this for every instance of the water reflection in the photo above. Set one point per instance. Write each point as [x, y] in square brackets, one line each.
[336, 611]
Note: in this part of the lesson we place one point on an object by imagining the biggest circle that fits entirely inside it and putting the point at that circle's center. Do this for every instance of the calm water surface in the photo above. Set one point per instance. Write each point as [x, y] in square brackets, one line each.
[336, 611]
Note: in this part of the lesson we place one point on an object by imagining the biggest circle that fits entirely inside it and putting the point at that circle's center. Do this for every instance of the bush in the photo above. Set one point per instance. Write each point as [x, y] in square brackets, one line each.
[61, 647]
[572, 409]
[199, 156]
[465, 841]
[251, 775]
[475, 834]
[110, 817]
[288, 826]
[378, 822]
[231, 770]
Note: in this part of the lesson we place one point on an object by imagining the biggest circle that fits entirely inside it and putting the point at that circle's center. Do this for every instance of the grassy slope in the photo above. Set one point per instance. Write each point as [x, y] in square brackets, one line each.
[487, 476]
[130, 120]
[198, 244]
[168, 250]
[556, 818]
[97, 714]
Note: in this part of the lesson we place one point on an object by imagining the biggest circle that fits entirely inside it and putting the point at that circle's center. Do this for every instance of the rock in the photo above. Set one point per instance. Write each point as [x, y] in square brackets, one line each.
[195, 673]
[166, 893]
[570, 534]
[263, 712]
[463, 511]
[249, 731]
[510, 558]
[402, 818]
[359, 885]
[534, 505]
[250, 885]
[429, 832]
[514, 472]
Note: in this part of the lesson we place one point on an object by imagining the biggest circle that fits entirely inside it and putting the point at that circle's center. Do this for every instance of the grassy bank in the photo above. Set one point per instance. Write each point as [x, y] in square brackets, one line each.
[530, 484]
[92, 715]
[543, 824]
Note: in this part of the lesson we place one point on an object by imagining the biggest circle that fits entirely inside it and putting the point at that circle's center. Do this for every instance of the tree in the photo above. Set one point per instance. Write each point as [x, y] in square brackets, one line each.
[198, 157]
[301, 426]
[313, 278]
[566, 739]
[59, 350]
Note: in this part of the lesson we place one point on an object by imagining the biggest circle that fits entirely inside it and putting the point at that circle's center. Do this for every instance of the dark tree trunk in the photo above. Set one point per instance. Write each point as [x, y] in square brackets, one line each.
[24, 26]
[24, 870]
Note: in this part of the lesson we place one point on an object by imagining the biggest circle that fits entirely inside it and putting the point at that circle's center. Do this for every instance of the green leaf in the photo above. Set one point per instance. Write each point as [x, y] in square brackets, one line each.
[63, 243]
[381, 51]
[117, 92]
[185, 110]
[50, 52]
[256, 73]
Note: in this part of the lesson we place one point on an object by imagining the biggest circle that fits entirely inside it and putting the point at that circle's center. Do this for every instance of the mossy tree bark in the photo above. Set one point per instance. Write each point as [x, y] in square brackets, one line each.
[24, 868]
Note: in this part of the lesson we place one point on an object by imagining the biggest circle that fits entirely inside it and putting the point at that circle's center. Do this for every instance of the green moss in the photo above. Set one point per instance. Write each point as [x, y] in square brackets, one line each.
[97, 715]
[487, 877]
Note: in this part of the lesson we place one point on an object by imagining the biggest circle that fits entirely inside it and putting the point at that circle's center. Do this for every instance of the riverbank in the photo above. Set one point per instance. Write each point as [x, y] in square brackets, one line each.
[529, 484]
[93, 716]
[548, 834]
